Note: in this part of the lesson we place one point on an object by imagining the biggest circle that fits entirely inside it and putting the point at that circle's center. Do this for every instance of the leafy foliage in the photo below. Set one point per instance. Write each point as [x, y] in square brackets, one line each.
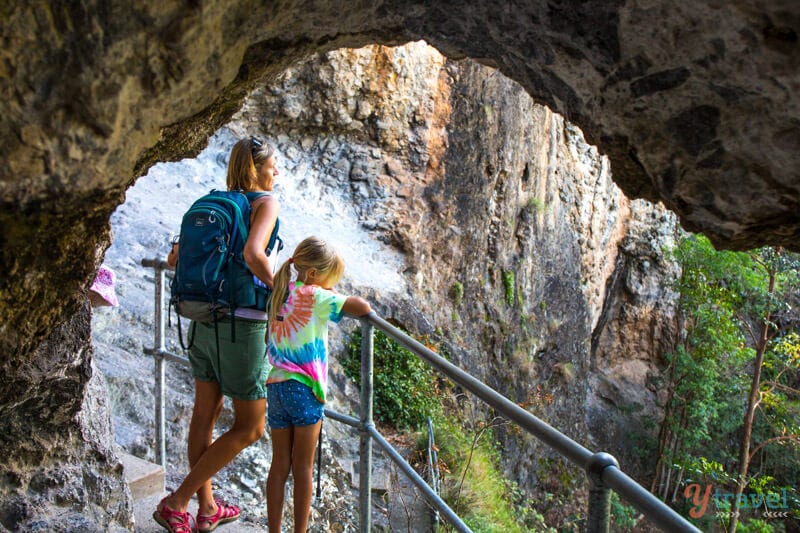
[740, 329]
[406, 388]
[707, 375]
[623, 517]
[456, 293]
[508, 286]
[473, 484]
[407, 392]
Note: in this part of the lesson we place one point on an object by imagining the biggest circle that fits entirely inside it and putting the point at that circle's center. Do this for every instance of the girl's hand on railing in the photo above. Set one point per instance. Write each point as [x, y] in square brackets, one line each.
[356, 306]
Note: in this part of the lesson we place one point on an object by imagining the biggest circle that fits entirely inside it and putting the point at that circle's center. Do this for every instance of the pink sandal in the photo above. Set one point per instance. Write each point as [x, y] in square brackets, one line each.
[225, 513]
[174, 521]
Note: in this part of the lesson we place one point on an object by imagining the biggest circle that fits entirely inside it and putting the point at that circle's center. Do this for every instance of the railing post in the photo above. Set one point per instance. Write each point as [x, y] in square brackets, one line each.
[433, 466]
[599, 516]
[365, 445]
[160, 384]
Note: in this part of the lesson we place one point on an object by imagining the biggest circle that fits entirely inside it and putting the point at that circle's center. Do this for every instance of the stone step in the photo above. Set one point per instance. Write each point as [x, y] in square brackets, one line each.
[380, 480]
[143, 477]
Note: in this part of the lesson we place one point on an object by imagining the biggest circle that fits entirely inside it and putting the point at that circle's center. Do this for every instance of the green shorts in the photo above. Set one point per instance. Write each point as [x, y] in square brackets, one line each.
[240, 368]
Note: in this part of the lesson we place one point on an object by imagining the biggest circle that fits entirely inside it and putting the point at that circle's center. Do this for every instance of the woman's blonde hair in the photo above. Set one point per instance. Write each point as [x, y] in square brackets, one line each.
[245, 156]
[312, 252]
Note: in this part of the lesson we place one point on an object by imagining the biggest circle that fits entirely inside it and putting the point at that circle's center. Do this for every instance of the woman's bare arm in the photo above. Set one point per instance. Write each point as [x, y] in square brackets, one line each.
[265, 213]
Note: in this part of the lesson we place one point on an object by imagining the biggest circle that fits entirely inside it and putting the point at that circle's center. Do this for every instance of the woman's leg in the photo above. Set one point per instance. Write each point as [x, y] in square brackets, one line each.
[208, 402]
[248, 427]
[207, 406]
[305, 442]
[278, 474]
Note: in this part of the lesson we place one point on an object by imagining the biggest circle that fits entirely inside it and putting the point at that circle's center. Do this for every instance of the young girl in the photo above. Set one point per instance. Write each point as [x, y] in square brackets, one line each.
[297, 345]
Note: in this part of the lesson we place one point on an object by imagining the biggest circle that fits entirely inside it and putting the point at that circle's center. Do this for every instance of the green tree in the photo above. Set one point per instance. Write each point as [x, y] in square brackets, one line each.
[767, 300]
[739, 346]
[703, 376]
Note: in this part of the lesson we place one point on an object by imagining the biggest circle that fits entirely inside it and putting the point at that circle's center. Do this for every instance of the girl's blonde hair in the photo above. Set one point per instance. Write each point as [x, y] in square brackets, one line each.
[245, 156]
[312, 252]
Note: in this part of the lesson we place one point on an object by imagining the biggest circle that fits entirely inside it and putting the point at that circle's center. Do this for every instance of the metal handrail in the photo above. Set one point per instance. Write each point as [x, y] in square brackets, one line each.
[602, 469]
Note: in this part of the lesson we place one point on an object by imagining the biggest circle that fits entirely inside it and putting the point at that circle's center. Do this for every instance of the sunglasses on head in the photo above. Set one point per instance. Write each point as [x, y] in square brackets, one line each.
[255, 144]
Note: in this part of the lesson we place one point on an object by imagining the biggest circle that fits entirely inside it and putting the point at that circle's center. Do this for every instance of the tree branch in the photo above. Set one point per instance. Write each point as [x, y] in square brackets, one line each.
[774, 439]
[785, 388]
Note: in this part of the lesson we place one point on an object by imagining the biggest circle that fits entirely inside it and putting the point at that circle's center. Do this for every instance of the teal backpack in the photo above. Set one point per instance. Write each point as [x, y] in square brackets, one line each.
[212, 278]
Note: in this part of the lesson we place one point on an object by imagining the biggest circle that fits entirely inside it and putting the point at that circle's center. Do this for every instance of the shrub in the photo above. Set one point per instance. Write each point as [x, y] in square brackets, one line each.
[406, 388]
[456, 293]
[624, 516]
[473, 484]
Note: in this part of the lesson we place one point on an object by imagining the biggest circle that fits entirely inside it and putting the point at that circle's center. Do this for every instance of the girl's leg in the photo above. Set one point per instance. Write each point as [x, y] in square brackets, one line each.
[207, 407]
[248, 427]
[305, 442]
[278, 474]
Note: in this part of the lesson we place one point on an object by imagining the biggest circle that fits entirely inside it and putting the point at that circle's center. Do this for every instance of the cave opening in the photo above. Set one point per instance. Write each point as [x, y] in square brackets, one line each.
[378, 149]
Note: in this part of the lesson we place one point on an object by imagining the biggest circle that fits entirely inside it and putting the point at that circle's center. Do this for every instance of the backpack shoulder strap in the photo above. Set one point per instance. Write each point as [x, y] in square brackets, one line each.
[239, 205]
[252, 196]
[273, 238]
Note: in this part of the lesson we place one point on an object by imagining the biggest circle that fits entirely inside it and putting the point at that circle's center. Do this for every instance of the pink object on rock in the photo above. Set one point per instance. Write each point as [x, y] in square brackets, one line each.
[102, 290]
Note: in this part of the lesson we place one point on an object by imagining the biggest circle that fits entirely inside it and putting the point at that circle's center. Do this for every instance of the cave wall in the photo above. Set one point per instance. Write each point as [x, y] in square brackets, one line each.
[60, 468]
[695, 105]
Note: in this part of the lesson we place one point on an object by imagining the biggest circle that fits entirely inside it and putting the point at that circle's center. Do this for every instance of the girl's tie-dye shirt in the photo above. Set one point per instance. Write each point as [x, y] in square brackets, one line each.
[298, 337]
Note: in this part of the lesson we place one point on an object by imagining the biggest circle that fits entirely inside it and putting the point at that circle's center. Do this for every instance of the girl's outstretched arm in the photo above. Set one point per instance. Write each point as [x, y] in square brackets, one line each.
[356, 306]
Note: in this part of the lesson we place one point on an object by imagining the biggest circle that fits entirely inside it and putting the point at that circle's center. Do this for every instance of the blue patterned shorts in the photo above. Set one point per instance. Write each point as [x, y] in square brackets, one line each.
[291, 403]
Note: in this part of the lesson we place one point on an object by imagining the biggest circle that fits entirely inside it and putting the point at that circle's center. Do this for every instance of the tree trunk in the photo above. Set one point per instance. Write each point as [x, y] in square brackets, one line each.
[664, 436]
[677, 485]
[749, 415]
[664, 432]
[672, 452]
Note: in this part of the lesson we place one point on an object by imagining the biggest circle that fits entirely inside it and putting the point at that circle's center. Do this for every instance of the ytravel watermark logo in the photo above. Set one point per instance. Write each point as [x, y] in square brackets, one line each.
[773, 504]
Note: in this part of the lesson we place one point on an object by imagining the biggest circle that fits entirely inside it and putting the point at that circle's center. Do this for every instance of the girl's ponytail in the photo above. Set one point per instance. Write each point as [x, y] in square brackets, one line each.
[280, 289]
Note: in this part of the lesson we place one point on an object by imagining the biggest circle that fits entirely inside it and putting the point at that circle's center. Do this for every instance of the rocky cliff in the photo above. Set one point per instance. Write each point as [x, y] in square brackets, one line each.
[563, 302]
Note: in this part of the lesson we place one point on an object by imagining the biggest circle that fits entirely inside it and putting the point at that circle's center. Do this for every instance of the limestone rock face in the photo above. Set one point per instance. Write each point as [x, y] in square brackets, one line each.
[694, 105]
[636, 329]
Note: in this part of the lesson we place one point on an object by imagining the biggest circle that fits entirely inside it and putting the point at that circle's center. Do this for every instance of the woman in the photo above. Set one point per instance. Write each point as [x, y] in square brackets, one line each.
[251, 169]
